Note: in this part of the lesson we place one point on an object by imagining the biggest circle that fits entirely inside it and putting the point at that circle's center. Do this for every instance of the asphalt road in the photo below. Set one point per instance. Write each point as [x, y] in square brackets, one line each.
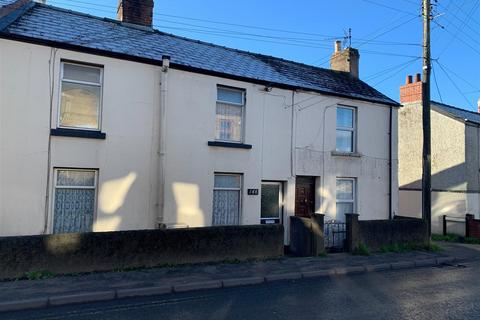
[451, 292]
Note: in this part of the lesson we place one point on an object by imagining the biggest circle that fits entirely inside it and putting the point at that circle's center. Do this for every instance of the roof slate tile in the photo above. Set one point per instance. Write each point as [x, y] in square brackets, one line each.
[48, 23]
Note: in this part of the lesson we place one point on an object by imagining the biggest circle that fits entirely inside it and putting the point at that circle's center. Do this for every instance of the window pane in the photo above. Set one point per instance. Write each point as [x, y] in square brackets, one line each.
[226, 207]
[228, 122]
[344, 141]
[232, 96]
[80, 105]
[344, 189]
[73, 210]
[75, 178]
[81, 73]
[344, 117]
[343, 208]
[227, 181]
[270, 201]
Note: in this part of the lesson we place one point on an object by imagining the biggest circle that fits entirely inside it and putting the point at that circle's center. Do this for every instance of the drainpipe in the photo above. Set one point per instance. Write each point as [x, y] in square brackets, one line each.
[162, 139]
[390, 214]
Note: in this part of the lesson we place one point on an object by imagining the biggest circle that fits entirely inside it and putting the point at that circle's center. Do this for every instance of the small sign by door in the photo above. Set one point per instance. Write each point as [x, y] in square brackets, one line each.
[252, 192]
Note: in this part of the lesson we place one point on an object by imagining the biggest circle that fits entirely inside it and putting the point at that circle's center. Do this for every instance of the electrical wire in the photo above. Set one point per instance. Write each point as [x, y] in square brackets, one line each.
[454, 84]
[436, 84]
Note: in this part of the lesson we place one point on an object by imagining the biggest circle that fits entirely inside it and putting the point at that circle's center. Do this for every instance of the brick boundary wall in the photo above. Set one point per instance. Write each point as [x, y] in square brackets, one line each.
[377, 233]
[104, 251]
[472, 226]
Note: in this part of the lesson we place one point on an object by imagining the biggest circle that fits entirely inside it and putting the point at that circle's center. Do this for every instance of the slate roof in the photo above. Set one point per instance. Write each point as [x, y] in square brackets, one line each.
[458, 113]
[45, 23]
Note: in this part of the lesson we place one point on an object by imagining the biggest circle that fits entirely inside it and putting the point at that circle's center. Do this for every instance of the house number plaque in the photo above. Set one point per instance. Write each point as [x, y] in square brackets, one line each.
[252, 192]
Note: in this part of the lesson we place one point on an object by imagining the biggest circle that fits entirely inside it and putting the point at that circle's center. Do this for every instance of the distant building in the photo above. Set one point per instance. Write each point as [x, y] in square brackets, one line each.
[455, 158]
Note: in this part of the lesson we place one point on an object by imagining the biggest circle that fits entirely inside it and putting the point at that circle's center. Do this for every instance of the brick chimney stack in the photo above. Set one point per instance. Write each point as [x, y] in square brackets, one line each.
[136, 11]
[412, 90]
[345, 60]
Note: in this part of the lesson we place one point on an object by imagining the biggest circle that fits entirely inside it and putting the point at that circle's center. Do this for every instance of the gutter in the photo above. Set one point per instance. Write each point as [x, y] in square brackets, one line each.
[177, 66]
[162, 139]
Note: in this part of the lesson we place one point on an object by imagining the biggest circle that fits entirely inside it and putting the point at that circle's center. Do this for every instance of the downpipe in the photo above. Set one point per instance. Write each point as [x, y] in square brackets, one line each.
[162, 139]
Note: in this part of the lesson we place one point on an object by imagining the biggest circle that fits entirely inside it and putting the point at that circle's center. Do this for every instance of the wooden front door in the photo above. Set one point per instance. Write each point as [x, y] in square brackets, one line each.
[305, 196]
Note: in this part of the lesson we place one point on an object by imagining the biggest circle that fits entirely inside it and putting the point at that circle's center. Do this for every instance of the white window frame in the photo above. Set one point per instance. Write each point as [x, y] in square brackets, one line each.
[354, 191]
[56, 186]
[100, 84]
[352, 129]
[240, 190]
[241, 105]
[280, 200]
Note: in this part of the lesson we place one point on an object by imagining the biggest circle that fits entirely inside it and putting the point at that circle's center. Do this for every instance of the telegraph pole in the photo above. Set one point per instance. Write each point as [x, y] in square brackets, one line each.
[426, 168]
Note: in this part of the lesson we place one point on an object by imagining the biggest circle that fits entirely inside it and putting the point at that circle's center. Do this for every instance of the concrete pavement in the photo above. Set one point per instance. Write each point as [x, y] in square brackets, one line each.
[24, 294]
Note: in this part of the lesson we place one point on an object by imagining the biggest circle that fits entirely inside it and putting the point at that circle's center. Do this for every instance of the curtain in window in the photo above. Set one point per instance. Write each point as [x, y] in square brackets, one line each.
[226, 207]
[73, 210]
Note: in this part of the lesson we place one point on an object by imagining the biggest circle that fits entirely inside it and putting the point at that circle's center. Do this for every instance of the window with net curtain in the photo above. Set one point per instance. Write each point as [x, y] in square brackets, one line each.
[81, 96]
[345, 129]
[74, 201]
[229, 114]
[345, 197]
[226, 199]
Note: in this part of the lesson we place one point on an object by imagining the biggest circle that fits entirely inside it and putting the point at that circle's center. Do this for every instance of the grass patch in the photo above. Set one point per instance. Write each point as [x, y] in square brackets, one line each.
[406, 247]
[37, 275]
[449, 237]
[361, 250]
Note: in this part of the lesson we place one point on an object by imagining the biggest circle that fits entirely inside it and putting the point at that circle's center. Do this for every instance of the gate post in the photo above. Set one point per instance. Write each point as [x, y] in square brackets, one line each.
[352, 228]
[468, 223]
[318, 237]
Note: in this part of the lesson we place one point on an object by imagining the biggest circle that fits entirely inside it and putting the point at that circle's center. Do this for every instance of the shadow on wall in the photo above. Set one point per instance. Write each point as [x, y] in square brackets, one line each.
[111, 197]
[187, 206]
[450, 196]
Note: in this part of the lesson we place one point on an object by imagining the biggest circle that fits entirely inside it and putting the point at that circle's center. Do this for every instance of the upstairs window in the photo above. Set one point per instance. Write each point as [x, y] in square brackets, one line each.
[81, 96]
[346, 130]
[229, 114]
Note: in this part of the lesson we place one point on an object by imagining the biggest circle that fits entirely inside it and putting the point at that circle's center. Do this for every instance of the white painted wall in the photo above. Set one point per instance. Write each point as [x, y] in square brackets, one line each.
[128, 161]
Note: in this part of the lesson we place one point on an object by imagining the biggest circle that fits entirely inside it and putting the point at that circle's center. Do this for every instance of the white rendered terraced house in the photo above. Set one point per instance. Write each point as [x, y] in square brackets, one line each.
[112, 125]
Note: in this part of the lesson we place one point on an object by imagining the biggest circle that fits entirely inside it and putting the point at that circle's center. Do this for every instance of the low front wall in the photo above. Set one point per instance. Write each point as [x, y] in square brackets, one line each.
[102, 251]
[377, 233]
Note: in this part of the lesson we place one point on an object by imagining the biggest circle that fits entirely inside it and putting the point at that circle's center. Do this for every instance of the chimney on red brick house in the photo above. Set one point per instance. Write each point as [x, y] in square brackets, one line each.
[136, 11]
[412, 90]
[478, 105]
[346, 60]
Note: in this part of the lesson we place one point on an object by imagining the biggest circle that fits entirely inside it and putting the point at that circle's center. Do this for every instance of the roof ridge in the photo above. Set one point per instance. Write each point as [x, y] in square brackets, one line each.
[454, 107]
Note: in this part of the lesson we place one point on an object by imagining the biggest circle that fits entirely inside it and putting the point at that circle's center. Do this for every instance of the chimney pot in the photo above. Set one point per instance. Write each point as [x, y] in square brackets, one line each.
[136, 11]
[478, 105]
[412, 92]
[338, 46]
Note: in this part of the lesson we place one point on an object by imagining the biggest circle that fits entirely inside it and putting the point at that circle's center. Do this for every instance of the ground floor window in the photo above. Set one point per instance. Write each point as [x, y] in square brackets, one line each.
[346, 189]
[227, 195]
[271, 202]
[74, 200]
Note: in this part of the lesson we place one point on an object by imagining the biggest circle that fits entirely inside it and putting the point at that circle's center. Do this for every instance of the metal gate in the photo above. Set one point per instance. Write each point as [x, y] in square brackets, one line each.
[335, 236]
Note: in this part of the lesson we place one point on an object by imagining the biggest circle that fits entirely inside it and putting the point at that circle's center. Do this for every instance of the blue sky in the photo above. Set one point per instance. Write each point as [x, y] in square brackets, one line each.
[388, 35]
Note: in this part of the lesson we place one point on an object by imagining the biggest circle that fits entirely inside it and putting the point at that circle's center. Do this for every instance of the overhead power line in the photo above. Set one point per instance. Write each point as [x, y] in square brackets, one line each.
[454, 84]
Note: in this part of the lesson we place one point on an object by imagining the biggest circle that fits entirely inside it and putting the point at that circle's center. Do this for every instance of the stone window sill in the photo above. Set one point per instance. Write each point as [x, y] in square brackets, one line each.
[346, 154]
[229, 145]
[61, 132]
